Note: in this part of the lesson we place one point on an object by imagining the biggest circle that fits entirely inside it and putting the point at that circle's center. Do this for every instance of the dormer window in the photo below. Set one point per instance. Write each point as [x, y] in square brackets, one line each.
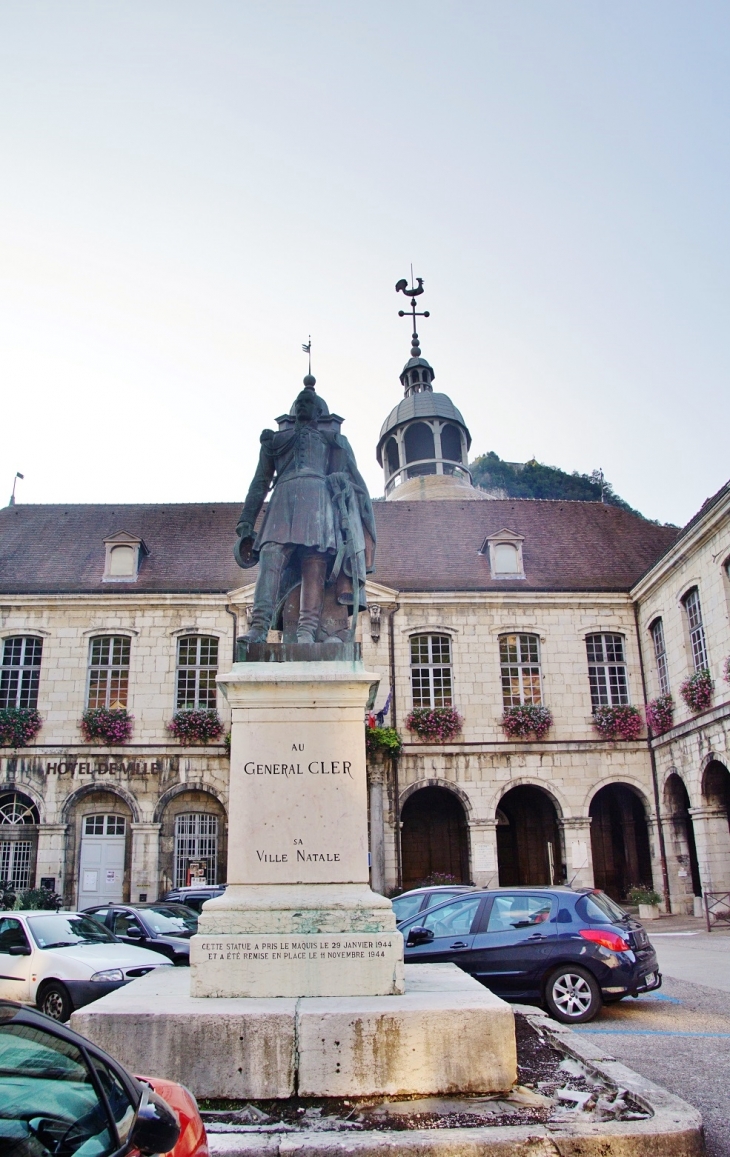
[124, 553]
[504, 551]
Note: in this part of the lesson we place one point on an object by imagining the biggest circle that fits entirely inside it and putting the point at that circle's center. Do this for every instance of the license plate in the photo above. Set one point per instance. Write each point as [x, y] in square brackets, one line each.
[650, 978]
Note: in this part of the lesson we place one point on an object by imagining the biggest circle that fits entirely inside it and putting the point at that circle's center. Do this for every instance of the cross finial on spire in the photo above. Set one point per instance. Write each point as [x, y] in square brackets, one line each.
[413, 293]
[309, 381]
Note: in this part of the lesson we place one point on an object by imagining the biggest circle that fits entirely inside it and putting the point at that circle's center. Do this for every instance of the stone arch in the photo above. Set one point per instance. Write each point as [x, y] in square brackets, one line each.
[19, 826]
[685, 877]
[627, 781]
[90, 798]
[71, 802]
[557, 800]
[452, 787]
[715, 783]
[529, 843]
[434, 833]
[200, 837]
[620, 843]
[33, 796]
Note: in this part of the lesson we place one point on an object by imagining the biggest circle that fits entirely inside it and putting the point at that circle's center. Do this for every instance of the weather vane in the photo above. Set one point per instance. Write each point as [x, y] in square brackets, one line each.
[307, 348]
[413, 293]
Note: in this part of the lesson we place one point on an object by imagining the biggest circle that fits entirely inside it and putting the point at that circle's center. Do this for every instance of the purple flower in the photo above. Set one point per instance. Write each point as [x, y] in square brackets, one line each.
[660, 714]
[19, 726]
[617, 722]
[697, 690]
[107, 726]
[434, 723]
[527, 719]
[195, 727]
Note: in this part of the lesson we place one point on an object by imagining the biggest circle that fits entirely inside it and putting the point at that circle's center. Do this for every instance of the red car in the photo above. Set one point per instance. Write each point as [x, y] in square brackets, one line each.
[61, 1096]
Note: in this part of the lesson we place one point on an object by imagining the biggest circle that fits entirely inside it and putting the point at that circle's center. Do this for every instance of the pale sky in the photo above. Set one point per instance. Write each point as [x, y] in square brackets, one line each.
[189, 189]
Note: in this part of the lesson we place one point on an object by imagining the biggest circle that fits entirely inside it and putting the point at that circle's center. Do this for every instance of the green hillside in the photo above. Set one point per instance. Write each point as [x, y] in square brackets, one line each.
[535, 480]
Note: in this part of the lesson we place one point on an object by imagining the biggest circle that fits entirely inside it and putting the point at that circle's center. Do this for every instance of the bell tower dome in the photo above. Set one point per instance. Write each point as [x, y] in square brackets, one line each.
[424, 442]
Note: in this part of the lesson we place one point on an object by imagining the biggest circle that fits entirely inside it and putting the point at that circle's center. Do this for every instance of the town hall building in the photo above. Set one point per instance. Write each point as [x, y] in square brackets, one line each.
[477, 602]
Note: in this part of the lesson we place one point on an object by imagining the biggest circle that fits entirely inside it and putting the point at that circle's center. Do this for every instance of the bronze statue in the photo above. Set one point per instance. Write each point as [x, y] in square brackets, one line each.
[317, 536]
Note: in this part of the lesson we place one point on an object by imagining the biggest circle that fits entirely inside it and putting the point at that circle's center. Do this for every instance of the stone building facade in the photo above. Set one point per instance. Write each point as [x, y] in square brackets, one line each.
[474, 604]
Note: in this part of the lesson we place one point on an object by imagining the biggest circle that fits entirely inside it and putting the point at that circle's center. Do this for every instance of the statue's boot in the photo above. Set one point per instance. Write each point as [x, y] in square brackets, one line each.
[311, 598]
[271, 564]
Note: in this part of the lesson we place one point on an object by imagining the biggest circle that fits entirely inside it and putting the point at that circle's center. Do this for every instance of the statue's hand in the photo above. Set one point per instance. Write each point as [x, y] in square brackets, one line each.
[243, 552]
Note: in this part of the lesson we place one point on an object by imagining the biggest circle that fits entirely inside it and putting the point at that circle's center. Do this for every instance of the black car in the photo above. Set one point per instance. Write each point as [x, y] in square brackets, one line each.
[164, 927]
[574, 950]
[61, 1095]
[194, 896]
[419, 899]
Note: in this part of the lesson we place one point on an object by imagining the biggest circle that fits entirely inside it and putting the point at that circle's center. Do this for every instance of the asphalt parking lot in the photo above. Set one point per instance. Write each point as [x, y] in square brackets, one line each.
[680, 1035]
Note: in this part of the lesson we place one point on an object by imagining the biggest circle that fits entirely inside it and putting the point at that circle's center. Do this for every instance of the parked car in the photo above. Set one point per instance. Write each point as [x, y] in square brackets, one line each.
[572, 950]
[418, 899]
[163, 927]
[60, 1095]
[63, 960]
[195, 895]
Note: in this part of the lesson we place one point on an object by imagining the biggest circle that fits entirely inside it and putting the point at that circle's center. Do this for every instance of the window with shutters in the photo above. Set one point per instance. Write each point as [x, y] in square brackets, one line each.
[519, 657]
[197, 667]
[108, 672]
[20, 672]
[431, 673]
[607, 671]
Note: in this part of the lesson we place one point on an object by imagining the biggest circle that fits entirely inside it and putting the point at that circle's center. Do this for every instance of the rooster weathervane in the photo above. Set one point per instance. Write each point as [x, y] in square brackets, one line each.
[414, 292]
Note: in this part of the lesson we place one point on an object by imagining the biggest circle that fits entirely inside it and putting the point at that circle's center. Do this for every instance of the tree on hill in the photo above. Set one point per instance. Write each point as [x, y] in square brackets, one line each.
[535, 480]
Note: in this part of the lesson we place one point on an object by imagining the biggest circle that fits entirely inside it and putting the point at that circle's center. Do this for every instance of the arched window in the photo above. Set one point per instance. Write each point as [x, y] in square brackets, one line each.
[16, 849]
[451, 443]
[519, 657]
[391, 456]
[108, 671]
[122, 560]
[196, 849]
[660, 655]
[21, 671]
[431, 677]
[607, 671]
[506, 559]
[419, 442]
[197, 667]
[696, 630]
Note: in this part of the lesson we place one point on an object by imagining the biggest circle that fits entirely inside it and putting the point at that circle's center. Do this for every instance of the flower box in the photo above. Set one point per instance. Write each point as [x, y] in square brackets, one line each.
[527, 719]
[195, 727]
[649, 912]
[105, 725]
[382, 740]
[19, 726]
[434, 724]
[660, 714]
[618, 722]
[697, 691]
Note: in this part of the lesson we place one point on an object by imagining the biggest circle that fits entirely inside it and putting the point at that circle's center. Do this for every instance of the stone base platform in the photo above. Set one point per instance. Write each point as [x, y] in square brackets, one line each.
[445, 1034]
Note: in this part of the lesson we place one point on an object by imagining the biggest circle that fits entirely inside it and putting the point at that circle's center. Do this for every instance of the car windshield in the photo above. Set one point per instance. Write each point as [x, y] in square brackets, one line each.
[600, 908]
[171, 919]
[65, 930]
[406, 906]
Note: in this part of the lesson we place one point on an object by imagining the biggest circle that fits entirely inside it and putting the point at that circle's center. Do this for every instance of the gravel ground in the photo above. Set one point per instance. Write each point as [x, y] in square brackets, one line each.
[680, 1038]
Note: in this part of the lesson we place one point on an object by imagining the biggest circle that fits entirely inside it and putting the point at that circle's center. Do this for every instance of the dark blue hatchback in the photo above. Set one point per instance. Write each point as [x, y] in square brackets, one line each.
[571, 950]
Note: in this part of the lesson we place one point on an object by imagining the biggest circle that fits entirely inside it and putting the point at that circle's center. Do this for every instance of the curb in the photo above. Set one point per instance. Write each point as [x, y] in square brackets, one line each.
[673, 1130]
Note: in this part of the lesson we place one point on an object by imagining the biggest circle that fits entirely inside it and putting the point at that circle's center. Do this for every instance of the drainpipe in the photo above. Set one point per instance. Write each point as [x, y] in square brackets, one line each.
[234, 616]
[394, 723]
[654, 775]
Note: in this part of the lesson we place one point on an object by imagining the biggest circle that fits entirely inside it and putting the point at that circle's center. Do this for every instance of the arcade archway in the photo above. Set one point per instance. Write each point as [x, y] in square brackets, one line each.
[528, 838]
[619, 841]
[683, 847]
[434, 839]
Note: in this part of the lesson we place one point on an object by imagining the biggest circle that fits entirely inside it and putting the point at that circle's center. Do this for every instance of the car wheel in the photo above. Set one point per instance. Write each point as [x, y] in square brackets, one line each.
[572, 995]
[55, 1001]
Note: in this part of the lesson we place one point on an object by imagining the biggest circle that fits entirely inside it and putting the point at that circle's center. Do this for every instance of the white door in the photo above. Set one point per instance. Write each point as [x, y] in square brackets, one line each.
[101, 867]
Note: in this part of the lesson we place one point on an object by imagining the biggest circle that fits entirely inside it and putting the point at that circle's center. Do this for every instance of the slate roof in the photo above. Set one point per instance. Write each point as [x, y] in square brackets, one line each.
[422, 546]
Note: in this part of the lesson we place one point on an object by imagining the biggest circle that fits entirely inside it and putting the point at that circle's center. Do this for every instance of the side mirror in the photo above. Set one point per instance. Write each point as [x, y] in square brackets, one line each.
[134, 933]
[19, 950]
[419, 936]
[156, 1128]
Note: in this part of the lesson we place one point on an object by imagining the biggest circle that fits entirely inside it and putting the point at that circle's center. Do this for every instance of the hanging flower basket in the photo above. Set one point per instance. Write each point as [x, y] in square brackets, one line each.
[617, 722]
[19, 726]
[697, 691]
[660, 714]
[434, 724]
[107, 726]
[526, 720]
[193, 728]
[385, 740]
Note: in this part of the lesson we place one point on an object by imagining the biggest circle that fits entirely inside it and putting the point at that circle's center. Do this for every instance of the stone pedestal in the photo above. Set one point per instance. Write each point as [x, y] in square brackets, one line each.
[298, 917]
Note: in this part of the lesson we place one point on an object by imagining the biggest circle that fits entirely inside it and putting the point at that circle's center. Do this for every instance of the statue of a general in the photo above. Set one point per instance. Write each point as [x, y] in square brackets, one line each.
[318, 532]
